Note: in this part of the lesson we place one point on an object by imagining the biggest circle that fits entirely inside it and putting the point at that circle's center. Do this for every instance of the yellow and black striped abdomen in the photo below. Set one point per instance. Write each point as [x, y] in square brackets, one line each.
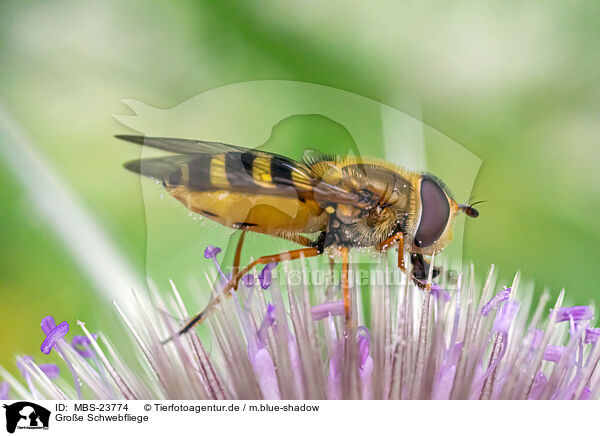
[248, 190]
[235, 171]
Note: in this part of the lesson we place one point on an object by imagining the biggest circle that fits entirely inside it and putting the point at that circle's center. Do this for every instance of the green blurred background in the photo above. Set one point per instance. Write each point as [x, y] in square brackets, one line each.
[518, 85]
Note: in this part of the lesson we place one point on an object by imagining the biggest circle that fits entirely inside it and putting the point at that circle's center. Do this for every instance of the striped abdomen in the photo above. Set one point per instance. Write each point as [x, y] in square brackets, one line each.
[246, 190]
[235, 171]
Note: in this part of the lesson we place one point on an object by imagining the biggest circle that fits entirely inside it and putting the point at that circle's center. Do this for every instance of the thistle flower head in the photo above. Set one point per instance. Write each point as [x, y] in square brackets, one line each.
[275, 339]
[53, 333]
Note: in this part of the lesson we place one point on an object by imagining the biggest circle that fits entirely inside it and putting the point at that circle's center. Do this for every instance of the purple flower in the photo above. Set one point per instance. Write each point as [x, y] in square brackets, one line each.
[505, 316]
[365, 370]
[539, 383]
[50, 369]
[495, 301]
[441, 294]
[443, 382]
[553, 353]
[364, 344]
[585, 394]
[576, 313]
[24, 364]
[536, 340]
[4, 390]
[333, 308]
[407, 348]
[592, 335]
[53, 333]
[265, 275]
[81, 344]
[259, 358]
[248, 280]
[265, 374]
[267, 322]
[211, 252]
[334, 376]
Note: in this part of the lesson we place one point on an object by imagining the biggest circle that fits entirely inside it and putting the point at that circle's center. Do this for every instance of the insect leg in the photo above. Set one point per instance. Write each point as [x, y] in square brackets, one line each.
[298, 239]
[345, 285]
[288, 255]
[420, 267]
[238, 254]
[399, 238]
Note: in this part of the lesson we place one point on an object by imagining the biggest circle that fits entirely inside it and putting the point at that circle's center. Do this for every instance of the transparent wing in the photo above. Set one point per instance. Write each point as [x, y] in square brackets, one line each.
[182, 146]
[206, 166]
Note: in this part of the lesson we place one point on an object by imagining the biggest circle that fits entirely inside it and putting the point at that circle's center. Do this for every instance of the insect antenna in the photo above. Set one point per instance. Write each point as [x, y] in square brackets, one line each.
[469, 209]
[477, 202]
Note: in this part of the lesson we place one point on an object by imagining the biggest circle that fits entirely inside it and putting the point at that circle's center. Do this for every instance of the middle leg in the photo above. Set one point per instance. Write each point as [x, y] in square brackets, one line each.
[238, 254]
[346, 286]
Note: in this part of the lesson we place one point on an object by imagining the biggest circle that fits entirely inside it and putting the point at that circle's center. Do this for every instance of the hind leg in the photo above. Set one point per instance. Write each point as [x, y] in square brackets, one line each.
[288, 255]
[238, 254]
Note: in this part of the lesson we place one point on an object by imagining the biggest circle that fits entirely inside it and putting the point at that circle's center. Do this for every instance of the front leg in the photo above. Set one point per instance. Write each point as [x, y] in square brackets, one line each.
[399, 238]
[420, 268]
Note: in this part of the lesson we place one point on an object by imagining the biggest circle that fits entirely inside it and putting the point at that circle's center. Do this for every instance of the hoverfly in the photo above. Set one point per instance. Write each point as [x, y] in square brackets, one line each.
[323, 203]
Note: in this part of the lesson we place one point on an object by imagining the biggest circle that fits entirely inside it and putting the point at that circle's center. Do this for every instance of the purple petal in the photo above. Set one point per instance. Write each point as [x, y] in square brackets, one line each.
[248, 280]
[365, 371]
[334, 377]
[295, 364]
[443, 383]
[444, 380]
[539, 384]
[264, 369]
[50, 369]
[366, 379]
[4, 389]
[333, 308]
[438, 292]
[536, 340]
[585, 394]
[80, 341]
[364, 344]
[52, 334]
[553, 353]
[81, 344]
[592, 335]
[267, 322]
[48, 324]
[211, 252]
[22, 363]
[577, 313]
[495, 301]
[505, 316]
[265, 275]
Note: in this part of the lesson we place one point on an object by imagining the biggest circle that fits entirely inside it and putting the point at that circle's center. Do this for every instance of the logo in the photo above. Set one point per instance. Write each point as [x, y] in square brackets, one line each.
[26, 415]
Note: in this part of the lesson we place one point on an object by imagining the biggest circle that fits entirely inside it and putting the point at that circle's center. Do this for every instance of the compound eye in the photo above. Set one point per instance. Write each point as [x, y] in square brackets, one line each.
[435, 211]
